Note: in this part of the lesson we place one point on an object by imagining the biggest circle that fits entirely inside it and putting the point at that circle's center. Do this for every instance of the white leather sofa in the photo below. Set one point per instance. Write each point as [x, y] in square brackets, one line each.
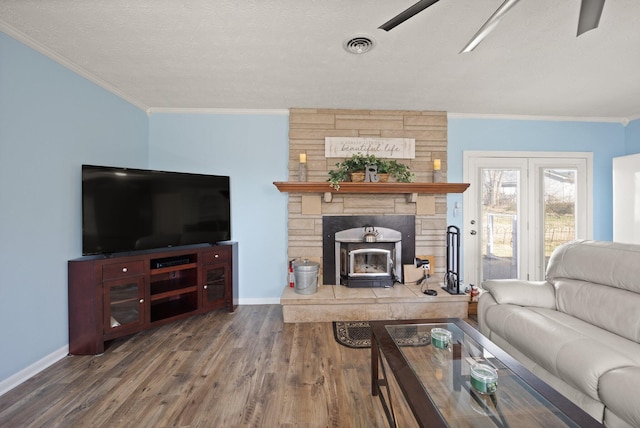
[579, 330]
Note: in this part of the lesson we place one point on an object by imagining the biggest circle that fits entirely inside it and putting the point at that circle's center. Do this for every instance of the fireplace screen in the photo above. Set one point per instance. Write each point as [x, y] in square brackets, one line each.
[366, 267]
[369, 262]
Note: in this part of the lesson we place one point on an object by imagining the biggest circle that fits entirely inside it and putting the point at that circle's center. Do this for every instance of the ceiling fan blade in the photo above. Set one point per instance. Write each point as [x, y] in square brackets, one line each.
[488, 26]
[408, 13]
[590, 12]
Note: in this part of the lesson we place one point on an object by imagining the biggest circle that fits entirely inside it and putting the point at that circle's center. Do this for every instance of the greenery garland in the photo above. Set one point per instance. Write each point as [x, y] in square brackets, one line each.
[358, 162]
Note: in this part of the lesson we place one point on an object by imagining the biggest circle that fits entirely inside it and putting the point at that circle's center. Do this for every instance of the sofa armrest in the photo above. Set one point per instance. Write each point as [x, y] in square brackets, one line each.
[484, 303]
[540, 294]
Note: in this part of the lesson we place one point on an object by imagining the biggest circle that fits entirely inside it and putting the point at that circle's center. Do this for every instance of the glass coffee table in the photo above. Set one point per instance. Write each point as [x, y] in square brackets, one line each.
[434, 380]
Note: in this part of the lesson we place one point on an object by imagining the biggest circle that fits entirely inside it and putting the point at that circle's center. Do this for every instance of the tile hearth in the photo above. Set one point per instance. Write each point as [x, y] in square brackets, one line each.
[340, 303]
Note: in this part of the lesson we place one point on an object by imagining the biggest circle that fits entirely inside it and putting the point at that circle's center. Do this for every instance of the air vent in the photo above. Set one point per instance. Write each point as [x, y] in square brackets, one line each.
[358, 44]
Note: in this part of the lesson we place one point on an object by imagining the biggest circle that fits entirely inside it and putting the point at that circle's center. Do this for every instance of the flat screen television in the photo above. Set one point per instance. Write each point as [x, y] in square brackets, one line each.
[126, 209]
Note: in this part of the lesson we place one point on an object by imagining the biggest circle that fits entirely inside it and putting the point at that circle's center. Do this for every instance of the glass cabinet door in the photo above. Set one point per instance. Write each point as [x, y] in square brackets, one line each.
[124, 301]
[215, 284]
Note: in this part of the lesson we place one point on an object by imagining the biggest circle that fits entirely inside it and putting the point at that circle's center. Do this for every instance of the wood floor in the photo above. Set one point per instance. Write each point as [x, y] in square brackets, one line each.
[246, 369]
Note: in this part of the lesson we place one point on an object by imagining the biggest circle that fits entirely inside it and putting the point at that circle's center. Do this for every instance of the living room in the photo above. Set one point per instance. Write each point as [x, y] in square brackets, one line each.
[53, 119]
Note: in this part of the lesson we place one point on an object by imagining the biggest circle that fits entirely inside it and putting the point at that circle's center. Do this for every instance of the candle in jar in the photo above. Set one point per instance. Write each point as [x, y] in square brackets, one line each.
[436, 164]
[303, 158]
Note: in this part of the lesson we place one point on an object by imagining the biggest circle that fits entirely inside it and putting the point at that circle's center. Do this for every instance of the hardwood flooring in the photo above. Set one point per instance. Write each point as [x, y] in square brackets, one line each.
[246, 369]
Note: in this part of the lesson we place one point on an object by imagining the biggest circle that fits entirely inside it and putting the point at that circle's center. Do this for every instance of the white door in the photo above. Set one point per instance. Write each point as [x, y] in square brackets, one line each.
[626, 199]
[519, 207]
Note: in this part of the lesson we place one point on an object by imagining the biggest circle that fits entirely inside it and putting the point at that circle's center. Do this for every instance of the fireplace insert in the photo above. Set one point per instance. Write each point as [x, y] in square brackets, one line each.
[367, 264]
[354, 232]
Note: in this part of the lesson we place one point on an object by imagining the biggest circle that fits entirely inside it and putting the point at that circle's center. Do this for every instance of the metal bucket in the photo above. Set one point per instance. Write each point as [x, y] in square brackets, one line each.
[305, 276]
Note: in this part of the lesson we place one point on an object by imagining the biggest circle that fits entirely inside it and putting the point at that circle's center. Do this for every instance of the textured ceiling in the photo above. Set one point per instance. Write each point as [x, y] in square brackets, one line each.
[277, 54]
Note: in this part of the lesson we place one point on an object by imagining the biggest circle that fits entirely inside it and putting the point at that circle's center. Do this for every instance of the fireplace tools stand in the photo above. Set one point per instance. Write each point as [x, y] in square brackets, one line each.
[452, 276]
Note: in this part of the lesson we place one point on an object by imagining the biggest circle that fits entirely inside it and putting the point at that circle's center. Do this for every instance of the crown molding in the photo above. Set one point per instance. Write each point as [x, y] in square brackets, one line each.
[247, 111]
[65, 62]
[631, 119]
[622, 120]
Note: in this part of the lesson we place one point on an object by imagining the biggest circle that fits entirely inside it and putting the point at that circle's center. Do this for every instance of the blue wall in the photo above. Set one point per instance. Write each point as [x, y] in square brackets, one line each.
[253, 150]
[605, 140]
[51, 121]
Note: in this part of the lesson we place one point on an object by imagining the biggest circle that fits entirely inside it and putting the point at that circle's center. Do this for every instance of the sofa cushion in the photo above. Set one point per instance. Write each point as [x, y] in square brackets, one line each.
[619, 390]
[613, 309]
[607, 263]
[593, 407]
[523, 293]
[611, 420]
[575, 351]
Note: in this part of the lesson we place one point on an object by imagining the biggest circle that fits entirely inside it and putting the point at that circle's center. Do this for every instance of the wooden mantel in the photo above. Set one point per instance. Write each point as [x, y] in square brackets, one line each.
[411, 189]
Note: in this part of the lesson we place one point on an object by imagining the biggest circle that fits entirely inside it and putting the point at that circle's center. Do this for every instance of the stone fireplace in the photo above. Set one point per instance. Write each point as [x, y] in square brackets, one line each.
[307, 212]
[312, 234]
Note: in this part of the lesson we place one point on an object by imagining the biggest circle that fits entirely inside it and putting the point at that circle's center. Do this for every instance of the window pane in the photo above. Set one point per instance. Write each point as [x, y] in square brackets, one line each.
[559, 208]
[500, 195]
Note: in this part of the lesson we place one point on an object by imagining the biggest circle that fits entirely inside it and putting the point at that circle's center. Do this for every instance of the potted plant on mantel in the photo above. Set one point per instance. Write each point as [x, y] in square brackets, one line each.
[352, 169]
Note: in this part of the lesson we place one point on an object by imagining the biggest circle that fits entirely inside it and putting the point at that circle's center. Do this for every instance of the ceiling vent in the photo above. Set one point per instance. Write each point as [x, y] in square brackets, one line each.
[358, 44]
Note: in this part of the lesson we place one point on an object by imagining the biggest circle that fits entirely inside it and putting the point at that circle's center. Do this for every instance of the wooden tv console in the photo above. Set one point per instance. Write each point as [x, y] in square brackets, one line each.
[114, 296]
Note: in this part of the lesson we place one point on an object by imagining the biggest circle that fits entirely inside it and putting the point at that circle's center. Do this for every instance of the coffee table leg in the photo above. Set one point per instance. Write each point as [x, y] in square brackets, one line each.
[374, 367]
[457, 366]
[377, 382]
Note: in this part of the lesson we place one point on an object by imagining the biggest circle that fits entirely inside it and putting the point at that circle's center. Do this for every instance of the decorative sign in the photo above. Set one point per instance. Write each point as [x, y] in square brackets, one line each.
[392, 148]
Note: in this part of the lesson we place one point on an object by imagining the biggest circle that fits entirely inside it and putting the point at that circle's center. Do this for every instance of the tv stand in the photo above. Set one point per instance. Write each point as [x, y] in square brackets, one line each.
[118, 295]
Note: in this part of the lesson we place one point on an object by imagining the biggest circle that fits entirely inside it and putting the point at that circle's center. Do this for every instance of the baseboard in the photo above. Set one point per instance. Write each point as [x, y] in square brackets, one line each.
[261, 301]
[35, 368]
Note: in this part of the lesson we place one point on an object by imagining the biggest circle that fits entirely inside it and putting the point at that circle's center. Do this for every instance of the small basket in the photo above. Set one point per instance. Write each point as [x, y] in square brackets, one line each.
[356, 177]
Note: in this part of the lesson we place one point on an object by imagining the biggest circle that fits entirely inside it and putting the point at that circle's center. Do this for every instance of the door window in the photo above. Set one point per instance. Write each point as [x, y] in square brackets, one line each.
[519, 208]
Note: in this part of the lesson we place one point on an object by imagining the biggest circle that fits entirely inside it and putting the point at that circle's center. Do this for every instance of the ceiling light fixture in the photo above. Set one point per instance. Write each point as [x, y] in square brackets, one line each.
[358, 44]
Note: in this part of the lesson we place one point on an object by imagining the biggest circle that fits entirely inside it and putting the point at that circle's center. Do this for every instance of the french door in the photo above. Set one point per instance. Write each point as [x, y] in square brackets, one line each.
[519, 208]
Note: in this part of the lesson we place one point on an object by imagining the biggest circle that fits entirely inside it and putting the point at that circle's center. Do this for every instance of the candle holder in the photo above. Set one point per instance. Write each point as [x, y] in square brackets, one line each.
[302, 167]
[302, 172]
[437, 173]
